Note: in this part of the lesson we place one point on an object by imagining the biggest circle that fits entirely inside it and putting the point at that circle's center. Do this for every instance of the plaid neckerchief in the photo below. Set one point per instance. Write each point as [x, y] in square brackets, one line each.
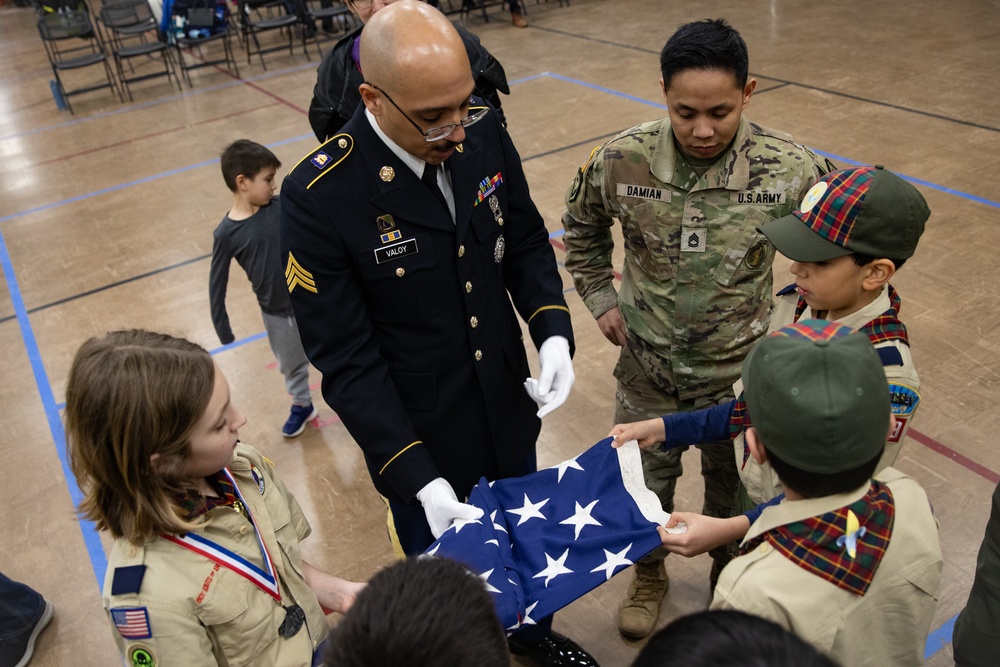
[194, 504]
[821, 545]
[886, 327]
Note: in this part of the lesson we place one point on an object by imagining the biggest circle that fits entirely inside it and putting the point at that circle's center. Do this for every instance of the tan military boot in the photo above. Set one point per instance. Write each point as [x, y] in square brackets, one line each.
[640, 609]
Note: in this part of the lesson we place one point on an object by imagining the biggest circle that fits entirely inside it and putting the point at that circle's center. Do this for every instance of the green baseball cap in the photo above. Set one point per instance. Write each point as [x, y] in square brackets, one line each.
[817, 396]
[864, 209]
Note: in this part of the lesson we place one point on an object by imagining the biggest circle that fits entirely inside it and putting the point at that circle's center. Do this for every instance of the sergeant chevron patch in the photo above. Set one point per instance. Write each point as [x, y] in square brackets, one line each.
[296, 276]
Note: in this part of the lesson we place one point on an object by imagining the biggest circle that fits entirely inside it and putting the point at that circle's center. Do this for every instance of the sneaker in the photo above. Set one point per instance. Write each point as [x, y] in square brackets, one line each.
[518, 20]
[552, 651]
[300, 415]
[18, 651]
[640, 609]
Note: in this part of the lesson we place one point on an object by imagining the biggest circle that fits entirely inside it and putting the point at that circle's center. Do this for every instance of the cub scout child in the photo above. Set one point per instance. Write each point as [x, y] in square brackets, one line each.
[853, 229]
[849, 563]
[205, 568]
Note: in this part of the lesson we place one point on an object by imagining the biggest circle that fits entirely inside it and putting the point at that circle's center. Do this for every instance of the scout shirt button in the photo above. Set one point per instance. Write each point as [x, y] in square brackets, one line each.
[473, 321]
[468, 286]
[243, 530]
[461, 250]
[130, 551]
[764, 547]
[479, 355]
[400, 272]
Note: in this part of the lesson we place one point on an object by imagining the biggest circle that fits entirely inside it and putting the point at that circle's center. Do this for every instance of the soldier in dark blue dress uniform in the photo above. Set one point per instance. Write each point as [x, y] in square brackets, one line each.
[411, 244]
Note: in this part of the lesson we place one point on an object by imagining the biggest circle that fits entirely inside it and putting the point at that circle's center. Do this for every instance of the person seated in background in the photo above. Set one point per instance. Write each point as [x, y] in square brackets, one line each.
[336, 95]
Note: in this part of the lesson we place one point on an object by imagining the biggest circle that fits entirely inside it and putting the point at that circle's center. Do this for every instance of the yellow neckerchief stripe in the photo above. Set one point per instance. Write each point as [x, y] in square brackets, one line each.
[415, 442]
[547, 308]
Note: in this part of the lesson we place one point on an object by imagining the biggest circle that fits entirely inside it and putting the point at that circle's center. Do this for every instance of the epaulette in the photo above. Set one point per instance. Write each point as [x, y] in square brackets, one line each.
[760, 130]
[785, 291]
[323, 159]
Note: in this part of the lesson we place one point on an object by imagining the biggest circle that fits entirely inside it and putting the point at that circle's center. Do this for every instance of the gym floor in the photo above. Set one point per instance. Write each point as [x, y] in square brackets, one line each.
[106, 220]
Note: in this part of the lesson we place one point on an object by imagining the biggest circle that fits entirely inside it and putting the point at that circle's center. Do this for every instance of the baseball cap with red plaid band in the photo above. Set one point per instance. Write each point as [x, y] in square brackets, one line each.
[817, 396]
[868, 210]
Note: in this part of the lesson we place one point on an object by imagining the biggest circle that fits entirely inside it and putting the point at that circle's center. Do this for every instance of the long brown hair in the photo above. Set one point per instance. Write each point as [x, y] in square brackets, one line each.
[133, 394]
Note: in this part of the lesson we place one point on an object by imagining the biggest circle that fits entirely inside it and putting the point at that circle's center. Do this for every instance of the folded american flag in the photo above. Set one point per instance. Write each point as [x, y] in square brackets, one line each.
[548, 538]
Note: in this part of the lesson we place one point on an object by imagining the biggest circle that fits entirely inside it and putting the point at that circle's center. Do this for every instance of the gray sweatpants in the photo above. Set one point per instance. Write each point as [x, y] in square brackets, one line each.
[283, 336]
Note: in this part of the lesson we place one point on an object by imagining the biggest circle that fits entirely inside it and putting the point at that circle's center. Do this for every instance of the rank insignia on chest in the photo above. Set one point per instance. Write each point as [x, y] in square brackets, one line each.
[296, 276]
[754, 259]
[487, 186]
[385, 223]
[321, 160]
[693, 239]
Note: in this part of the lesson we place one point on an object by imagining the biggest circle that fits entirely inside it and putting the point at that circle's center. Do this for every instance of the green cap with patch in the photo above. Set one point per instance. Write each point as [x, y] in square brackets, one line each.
[869, 210]
[817, 396]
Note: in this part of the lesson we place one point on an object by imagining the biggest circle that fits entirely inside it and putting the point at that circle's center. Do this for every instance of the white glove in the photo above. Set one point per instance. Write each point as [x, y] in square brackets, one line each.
[551, 389]
[442, 507]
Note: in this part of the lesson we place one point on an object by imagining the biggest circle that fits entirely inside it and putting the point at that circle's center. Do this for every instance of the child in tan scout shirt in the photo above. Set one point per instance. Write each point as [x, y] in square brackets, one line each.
[849, 563]
[205, 568]
[853, 229]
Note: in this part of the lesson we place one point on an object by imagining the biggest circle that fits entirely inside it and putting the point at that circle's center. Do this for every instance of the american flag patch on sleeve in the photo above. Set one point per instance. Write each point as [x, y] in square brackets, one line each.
[132, 622]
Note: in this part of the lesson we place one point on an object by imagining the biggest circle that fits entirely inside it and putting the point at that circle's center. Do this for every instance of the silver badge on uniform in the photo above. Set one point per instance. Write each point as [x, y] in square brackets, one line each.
[495, 207]
[693, 239]
[498, 249]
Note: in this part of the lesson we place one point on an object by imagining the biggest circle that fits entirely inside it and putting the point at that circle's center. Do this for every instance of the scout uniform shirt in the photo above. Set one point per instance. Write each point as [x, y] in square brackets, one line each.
[760, 481]
[696, 282]
[876, 619]
[169, 606]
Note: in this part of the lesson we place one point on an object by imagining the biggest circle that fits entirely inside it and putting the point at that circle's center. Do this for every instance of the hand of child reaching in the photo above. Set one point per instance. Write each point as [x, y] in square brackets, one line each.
[648, 433]
[703, 533]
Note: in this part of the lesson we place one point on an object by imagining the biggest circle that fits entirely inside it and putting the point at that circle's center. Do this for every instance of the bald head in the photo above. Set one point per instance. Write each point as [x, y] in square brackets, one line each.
[410, 45]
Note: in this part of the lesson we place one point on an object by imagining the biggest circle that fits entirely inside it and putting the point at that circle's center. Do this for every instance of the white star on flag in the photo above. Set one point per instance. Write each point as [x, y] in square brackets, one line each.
[528, 620]
[529, 510]
[565, 465]
[555, 567]
[493, 518]
[581, 518]
[485, 576]
[611, 561]
[459, 524]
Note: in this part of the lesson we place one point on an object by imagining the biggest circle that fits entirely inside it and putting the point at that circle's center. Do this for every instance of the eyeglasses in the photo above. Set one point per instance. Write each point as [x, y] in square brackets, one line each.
[436, 133]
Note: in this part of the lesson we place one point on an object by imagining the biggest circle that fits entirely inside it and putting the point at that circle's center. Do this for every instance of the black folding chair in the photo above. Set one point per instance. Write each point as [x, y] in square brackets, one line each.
[334, 16]
[201, 29]
[257, 16]
[62, 34]
[134, 33]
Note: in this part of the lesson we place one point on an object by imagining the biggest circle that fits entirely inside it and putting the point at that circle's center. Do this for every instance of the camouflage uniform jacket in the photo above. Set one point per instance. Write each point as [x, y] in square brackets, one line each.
[696, 282]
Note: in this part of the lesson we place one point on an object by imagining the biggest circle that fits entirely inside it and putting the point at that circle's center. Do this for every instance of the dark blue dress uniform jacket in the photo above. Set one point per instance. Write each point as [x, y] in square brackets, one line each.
[421, 353]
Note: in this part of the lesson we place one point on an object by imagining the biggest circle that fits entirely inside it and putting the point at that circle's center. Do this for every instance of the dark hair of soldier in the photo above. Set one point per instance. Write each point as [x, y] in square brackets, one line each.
[707, 44]
[245, 158]
[420, 612]
[727, 639]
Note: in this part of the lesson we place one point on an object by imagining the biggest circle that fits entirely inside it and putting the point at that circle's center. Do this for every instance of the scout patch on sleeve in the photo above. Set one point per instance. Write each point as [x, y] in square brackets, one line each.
[693, 239]
[141, 656]
[132, 622]
[758, 197]
[904, 399]
[296, 276]
[643, 192]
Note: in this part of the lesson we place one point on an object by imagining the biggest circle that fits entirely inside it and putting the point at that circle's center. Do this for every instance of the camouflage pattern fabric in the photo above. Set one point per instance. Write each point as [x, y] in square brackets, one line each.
[696, 282]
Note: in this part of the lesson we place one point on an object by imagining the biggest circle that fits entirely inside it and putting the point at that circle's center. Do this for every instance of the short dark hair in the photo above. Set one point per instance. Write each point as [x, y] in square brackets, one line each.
[705, 44]
[246, 158]
[420, 612]
[816, 484]
[861, 259]
[728, 639]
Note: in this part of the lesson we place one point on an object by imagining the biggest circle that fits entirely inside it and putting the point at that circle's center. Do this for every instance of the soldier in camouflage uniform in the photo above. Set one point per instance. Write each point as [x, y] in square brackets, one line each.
[690, 191]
